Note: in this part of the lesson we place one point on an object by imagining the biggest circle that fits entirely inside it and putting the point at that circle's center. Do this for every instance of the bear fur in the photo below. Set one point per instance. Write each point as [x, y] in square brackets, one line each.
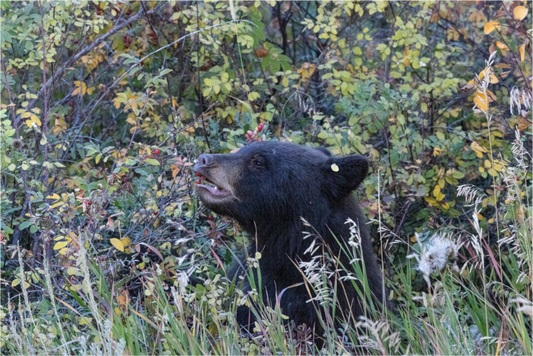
[268, 187]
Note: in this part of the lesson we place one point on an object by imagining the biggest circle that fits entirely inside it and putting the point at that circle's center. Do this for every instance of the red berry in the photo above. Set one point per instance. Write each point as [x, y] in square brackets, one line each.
[156, 151]
[75, 42]
[81, 166]
[197, 174]
[203, 178]
[210, 217]
[517, 179]
[198, 181]
[259, 128]
[155, 212]
[89, 203]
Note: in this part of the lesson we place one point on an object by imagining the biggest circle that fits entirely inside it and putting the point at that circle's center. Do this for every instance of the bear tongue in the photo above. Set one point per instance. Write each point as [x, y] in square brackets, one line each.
[213, 190]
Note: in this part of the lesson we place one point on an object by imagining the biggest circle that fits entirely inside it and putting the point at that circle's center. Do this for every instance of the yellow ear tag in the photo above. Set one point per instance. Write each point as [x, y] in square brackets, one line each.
[334, 167]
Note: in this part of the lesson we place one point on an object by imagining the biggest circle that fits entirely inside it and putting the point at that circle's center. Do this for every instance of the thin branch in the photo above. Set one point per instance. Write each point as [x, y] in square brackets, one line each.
[84, 51]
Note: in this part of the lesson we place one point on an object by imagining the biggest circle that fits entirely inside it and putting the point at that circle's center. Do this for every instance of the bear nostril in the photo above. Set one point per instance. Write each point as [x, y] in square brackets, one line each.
[205, 160]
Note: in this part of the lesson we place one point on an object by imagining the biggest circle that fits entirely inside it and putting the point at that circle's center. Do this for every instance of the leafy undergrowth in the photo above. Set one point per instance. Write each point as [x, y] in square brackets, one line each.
[479, 307]
[477, 299]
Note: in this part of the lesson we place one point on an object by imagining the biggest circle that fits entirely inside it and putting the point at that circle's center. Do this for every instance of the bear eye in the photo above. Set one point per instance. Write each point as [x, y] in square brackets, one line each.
[258, 162]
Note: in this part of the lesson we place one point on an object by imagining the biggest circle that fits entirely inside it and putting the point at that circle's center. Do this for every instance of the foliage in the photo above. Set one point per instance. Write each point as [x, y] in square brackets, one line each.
[100, 226]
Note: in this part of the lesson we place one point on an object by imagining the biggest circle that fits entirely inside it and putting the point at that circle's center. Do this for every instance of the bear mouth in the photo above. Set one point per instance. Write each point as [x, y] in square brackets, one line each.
[213, 191]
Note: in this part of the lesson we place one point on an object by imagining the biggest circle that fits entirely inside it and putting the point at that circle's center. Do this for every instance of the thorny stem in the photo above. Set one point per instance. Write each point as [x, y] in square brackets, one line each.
[45, 112]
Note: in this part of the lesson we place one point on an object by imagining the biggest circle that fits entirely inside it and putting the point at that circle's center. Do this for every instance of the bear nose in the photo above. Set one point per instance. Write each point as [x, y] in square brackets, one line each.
[205, 160]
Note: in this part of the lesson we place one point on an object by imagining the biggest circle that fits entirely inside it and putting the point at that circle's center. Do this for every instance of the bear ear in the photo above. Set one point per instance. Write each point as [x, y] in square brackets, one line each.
[344, 174]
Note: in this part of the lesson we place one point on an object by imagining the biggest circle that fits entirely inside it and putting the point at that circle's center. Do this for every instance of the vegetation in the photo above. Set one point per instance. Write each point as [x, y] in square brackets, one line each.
[105, 248]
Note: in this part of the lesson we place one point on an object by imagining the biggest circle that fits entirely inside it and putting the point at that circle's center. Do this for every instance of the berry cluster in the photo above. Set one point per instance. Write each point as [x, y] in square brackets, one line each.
[201, 177]
[252, 136]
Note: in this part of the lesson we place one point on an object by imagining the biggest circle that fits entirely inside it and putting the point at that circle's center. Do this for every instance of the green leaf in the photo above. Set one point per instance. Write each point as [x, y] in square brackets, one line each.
[152, 161]
[458, 175]
[24, 225]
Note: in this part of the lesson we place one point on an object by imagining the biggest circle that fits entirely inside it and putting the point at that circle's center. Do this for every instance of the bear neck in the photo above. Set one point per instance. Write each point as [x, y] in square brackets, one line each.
[286, 237]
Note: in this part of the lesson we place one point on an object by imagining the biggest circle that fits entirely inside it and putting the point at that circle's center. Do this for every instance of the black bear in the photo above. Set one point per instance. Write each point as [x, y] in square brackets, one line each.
[270, 188]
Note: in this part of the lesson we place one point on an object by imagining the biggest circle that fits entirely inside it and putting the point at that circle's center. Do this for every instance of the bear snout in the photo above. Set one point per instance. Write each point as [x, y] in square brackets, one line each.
[205, 160]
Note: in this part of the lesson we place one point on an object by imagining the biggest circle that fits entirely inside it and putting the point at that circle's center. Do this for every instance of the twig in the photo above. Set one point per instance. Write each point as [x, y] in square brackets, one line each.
[84, 51]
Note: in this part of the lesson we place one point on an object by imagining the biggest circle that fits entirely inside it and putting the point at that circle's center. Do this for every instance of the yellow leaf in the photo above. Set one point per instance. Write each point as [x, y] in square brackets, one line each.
[84, 320]
[520, 12]
[54, 196]
[334, 167]
[491, 221]
[126, 241]
[436, 191]
[36, 120]
[490, 26]
[118, 245]
[81, 88]
[72, 270]
[522, 50]
[481, 101]
[478, 149]
[25, 115]
[497, 165]
[60, 245]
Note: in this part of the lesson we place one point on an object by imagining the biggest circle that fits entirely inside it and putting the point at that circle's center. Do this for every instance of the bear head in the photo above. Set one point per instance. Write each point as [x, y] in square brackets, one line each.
[272, 182]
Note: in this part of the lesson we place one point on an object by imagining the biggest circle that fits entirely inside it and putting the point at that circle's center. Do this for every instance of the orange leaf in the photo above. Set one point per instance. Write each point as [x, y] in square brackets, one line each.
[520, 12]
[523, 123]
[490, 26]
[522, 50]
[481, 101]
[261, 52]
[492, 96]
[502, 65]
[504, 74]
[493, 79]
[502, 46]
